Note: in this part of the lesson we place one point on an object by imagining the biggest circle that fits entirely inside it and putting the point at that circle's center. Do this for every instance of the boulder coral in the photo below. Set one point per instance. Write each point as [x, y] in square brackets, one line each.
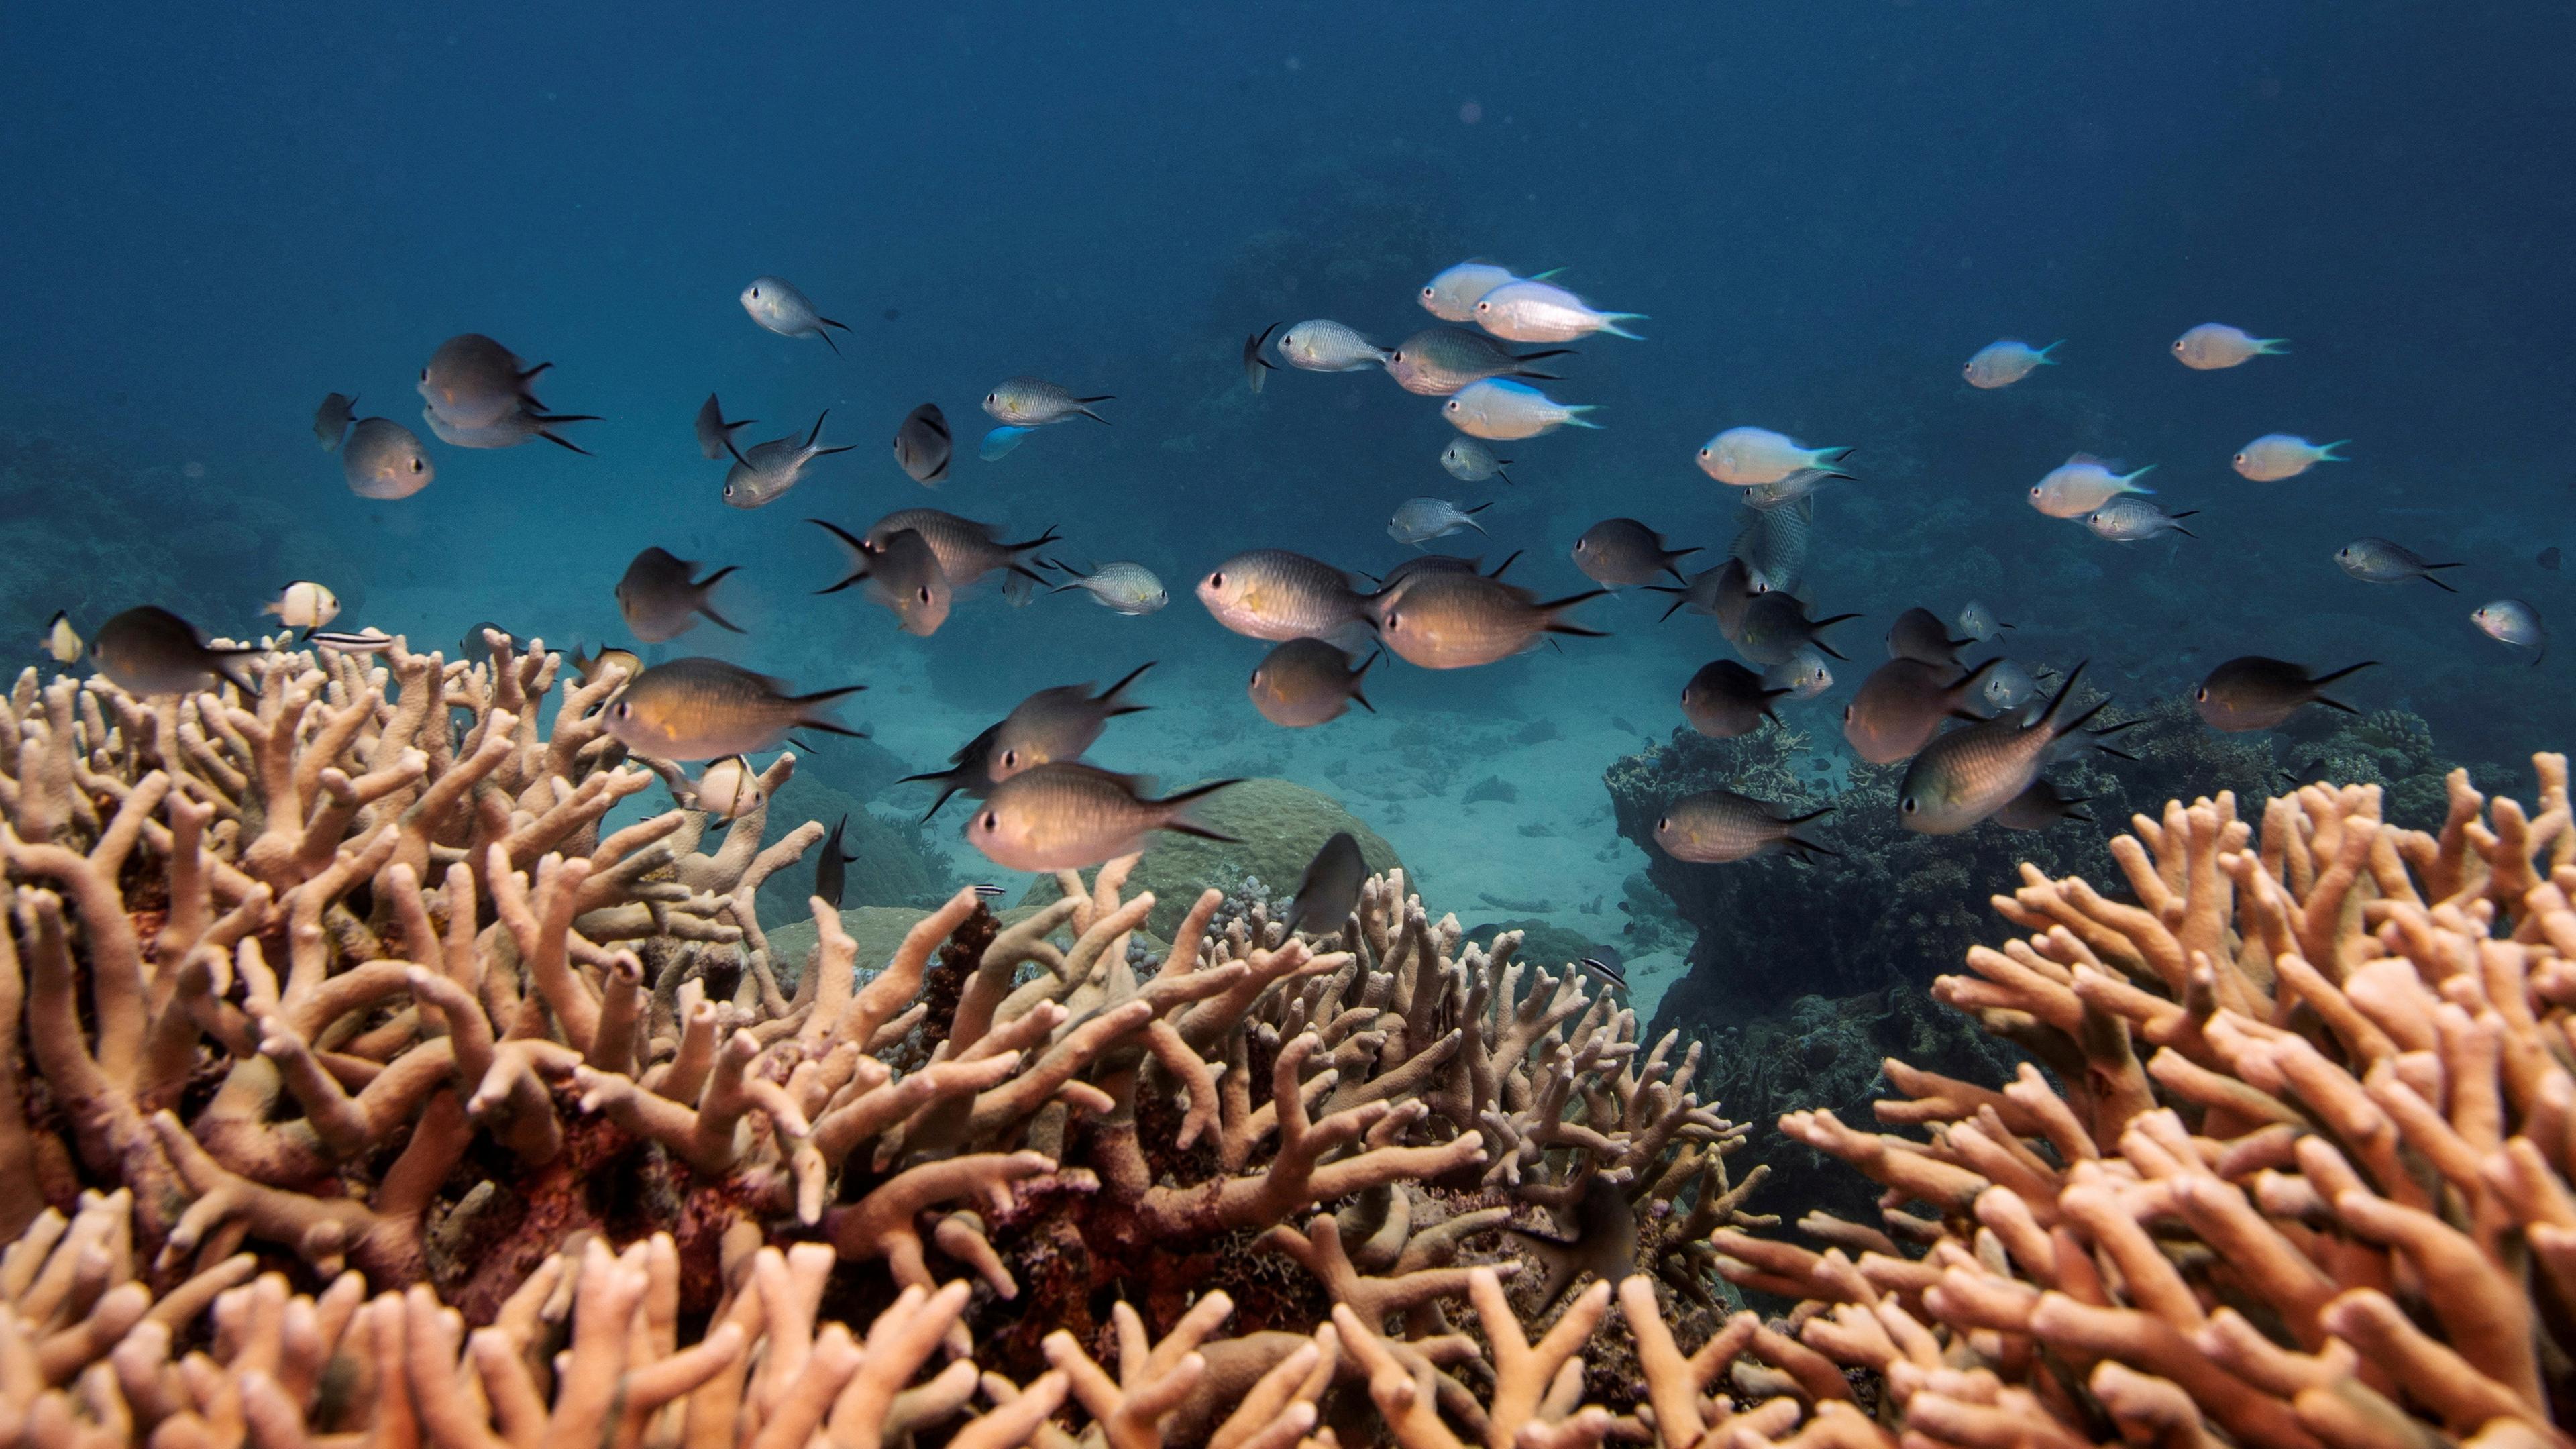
[357, 1078]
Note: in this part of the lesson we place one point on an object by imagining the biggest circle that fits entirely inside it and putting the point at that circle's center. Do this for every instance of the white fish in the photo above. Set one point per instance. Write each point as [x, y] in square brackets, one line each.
[1121, 588]
[2001, 364]
[304, 604]
[776, 305]
[1034, 402]
[2130, 520]
[2275, 456]
[2213, 345]
[1470, 461]
[1504, 410]
[1542, 312]
[1978, 622]
[384, 459]
[771, 468]
[1747, 456]
[1804, 674]
[1323, 345]
[1452, 295]
[2511, 621]
[2006, 686]
[1419, 520]
[62, 643]
[727, 788]
[2082, 484]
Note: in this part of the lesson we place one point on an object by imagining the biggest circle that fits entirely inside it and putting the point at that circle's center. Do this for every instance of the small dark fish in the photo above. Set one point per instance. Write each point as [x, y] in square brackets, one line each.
[970, 772]
[2040, 807]
[1307, 682]
[1623, 551]
[1722, 592]
[1968, 774]
[2254, 693]
[1070, 816]
[1716, 827]
[1776, 625]
[1257, 368]
[150, 650]
[1605, 973]
[472, 382]
[331, 420]
[1059, 724]
[715, 435]
[1725, 699]
[1919, 634]
[2377, 561]
[1330, 888]
[658, 600]
[477, 649]
[967, 550]
[1903, 704]
[829, 868]
[922, 446]
[604, 660]
[703, 709]
[2549, 558]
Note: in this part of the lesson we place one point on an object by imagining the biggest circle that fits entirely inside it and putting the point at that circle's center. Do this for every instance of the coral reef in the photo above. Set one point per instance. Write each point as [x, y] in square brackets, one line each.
[345, 987]
[2296, 1173]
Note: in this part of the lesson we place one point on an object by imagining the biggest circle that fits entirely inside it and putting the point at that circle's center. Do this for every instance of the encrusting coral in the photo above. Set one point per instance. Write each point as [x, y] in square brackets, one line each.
[2297, 1173]
[348, 986]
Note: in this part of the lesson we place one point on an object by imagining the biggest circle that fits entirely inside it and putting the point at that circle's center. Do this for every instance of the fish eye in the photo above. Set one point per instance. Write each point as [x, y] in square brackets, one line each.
[1428, 292]
[1664, 824]
[992, 821]
[1216, 580]
[625, 710]
[1847, 709]
[2203, 695]
[925, 595]
[1484, 306]
[1451, 405]
[1010, 759]
[1703, 452]
[755, 291]
[992, 397]
[1908, 805]
[416, 465]
[2240, 457]
[1394, 620]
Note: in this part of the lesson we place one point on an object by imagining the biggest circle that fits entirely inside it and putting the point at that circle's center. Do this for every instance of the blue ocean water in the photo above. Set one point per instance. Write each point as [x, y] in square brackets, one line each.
[218, 214]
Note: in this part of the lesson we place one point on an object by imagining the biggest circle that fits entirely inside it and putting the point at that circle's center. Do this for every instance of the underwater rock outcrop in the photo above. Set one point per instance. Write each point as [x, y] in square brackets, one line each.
[345, 989]
[2297, 1173]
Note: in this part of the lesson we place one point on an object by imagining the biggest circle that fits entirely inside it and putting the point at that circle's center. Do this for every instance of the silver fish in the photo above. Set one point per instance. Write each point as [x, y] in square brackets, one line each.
[2007, 686]
[1716, 827]
[331, 420]
[2131, 520]
[474, 382]
[1804, 674]
[1034, 402]
[659, 601]
[1058, 723]
[1071, 816]
[1979, 622]
[1306, 682]
[1323, 345]
[1417, 521]
[922, 446]
[1622, 551]
[715, 435]
[1270, 593]
[383, 459]
[764, 474]
[703, 709]
[1470, 461]
[1123, 588]
[904, 575]
[1438, 361]
[2377, 561]
[2511, 621]
[1773, 544]
[777, 306]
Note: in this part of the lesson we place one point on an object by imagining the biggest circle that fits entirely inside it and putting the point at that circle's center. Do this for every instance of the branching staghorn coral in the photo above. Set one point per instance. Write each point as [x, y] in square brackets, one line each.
[349, 982]
[2301, 1177]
